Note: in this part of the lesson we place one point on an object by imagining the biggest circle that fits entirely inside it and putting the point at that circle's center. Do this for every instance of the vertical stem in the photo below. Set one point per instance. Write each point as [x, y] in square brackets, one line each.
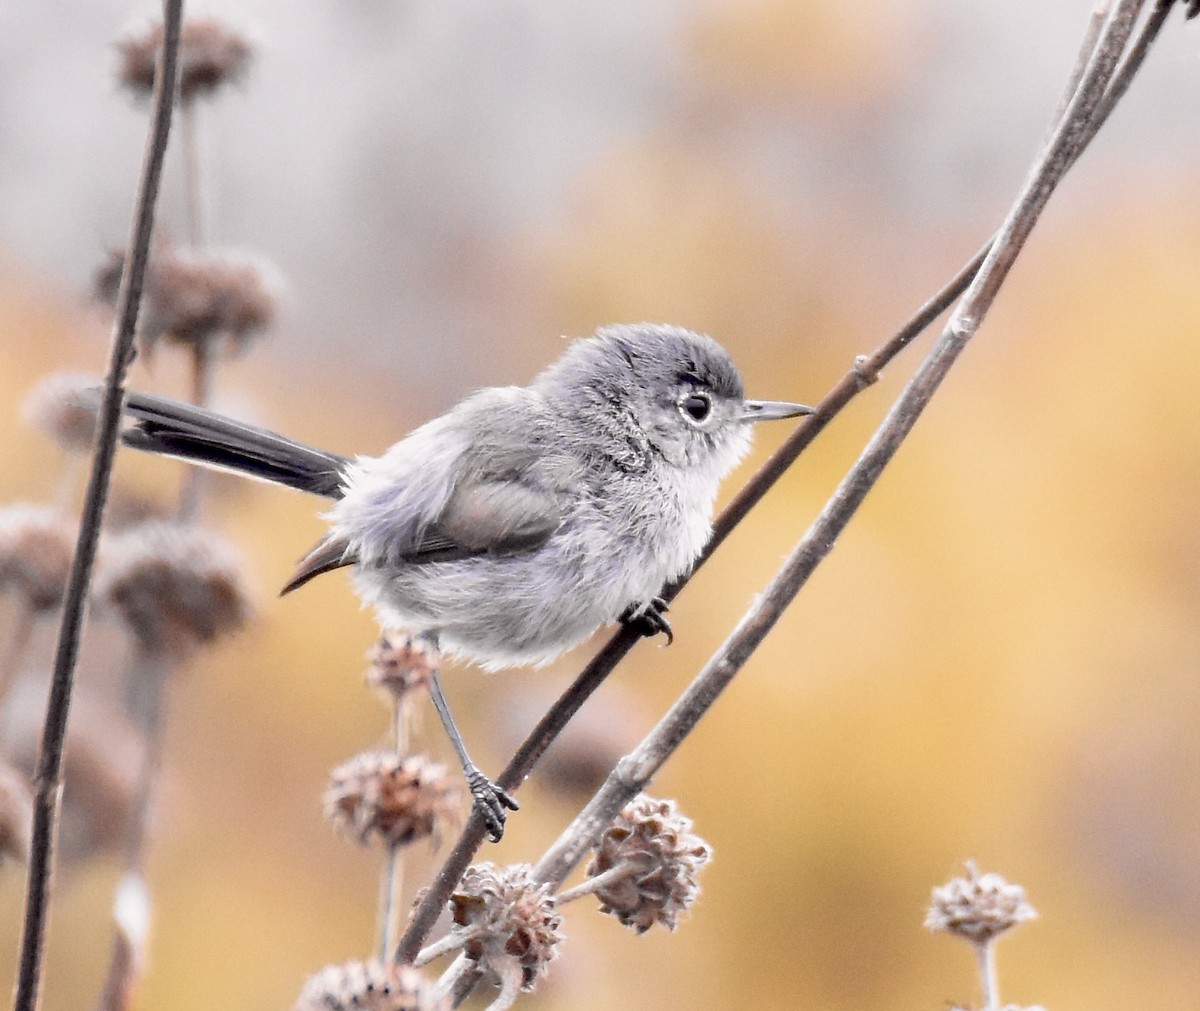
[193, 175]
[18, 645]
[191, 492]
[392, 875]
[48, 777]
[985, 956]
[149, 673]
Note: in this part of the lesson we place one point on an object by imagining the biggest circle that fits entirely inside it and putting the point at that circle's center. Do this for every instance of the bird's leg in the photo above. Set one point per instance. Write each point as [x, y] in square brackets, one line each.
[650, 620]
[490, 798]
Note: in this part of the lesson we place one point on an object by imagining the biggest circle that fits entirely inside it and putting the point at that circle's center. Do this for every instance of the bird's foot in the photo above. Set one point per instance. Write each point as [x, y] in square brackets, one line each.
[491, 800]
[651, 620]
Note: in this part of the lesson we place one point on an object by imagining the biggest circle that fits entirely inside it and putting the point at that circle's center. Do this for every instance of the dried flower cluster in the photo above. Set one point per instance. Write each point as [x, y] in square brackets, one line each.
[64, 406]
[210, 54]
[510, 918]
[401, 664]
[369, 986]
[36, 548]
[398, 799]
[978, 907]
[656, 842]
[175, 587]
[193, 298]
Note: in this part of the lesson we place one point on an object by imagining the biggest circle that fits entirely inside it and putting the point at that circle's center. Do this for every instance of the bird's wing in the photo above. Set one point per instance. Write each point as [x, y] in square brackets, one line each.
[483, 518]
[503, 496]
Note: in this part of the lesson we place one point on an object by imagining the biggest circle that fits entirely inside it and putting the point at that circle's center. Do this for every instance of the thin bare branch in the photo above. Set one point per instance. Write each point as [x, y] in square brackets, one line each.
[48, 778]
[858, 378]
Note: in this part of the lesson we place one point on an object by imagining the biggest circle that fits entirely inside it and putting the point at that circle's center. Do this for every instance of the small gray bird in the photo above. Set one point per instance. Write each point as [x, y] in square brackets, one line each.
[522, 519]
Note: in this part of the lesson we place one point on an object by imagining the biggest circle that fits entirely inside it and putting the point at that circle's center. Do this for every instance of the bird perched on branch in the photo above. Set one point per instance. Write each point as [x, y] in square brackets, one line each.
[512, 526]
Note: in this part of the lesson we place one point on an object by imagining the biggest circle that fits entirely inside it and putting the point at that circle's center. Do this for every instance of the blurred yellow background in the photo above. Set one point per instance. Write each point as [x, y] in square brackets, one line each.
[1001, 658]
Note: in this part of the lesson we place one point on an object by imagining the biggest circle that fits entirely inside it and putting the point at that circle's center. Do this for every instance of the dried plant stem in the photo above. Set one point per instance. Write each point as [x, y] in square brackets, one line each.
[193, 170]
[594, 884]
[48, 777]
[453, 940]
[149, 673]
[391, 882]
[1084, 124]
[16, 648]
[985, 956]
[195, 479]
[633, 772]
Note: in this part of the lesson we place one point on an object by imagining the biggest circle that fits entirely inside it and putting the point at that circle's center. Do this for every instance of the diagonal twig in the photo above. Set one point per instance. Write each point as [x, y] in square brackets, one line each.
[863, 373]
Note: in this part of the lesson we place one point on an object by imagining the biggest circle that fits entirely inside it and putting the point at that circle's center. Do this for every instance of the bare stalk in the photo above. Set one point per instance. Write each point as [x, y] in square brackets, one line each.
[634, 772]
[391, 881]
[1084, 120]
[149, 674]
[985, 956]
[48, 777]
[15, 649]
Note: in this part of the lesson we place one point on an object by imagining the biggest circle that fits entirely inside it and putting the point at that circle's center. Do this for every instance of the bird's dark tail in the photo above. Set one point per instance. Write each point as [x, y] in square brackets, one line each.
[199, 436]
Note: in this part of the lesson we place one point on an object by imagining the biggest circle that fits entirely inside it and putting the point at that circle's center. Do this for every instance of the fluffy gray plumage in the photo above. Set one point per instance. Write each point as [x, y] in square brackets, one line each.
[522, 519]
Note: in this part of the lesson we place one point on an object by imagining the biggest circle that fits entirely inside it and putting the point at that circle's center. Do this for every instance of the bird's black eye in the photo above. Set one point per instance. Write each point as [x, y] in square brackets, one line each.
[697, 406]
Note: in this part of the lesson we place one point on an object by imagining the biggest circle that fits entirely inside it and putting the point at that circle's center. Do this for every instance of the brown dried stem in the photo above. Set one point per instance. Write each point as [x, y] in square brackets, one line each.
[48, 777]
[634, 771]
[1077, 122]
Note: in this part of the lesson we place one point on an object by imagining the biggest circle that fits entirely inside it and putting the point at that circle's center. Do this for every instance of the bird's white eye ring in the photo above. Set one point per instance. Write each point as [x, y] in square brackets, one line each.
[696, 407]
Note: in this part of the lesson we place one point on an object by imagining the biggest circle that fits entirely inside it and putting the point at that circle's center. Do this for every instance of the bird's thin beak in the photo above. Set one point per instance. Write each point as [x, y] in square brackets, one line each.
[772, 410]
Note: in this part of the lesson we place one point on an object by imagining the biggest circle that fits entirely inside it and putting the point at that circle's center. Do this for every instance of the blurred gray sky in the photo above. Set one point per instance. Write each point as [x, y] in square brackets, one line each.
[394, 158]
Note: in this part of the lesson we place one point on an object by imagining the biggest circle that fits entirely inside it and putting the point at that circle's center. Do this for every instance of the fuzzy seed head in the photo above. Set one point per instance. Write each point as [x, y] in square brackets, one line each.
[512, 920]
[401, 664]
[210, 54]
[397, 799]
[175, 587]
[16, 814]
[654, 839]
[978, 907]
[64, 407]
[36, 548]
[369, 986]
[193, 298]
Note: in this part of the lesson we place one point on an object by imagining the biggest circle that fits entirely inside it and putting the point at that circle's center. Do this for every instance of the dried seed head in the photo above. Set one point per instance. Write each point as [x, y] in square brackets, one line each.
[656, 841]
[369, 986]
[399, 799]
[36, 547]
[62, 406]
[210, 55]
[511, 920]
[16, 814]
[401, 664]
[175, 587]
[193, 299]
[978, 907]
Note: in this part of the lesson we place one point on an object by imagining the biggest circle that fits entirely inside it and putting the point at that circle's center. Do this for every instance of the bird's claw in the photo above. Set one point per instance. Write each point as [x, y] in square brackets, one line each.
[651, 621]
[491, 800]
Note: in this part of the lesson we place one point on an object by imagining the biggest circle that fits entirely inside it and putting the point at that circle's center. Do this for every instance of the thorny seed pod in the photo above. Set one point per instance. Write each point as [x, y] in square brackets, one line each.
[369, 986]
[36, 547]
[399, 799]
[175, 587]
[193, 299]
[978, 907]
[16, 814]
[59, 405]
[401, 664]
[511, 920]
[656, 841]
[210, 54]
